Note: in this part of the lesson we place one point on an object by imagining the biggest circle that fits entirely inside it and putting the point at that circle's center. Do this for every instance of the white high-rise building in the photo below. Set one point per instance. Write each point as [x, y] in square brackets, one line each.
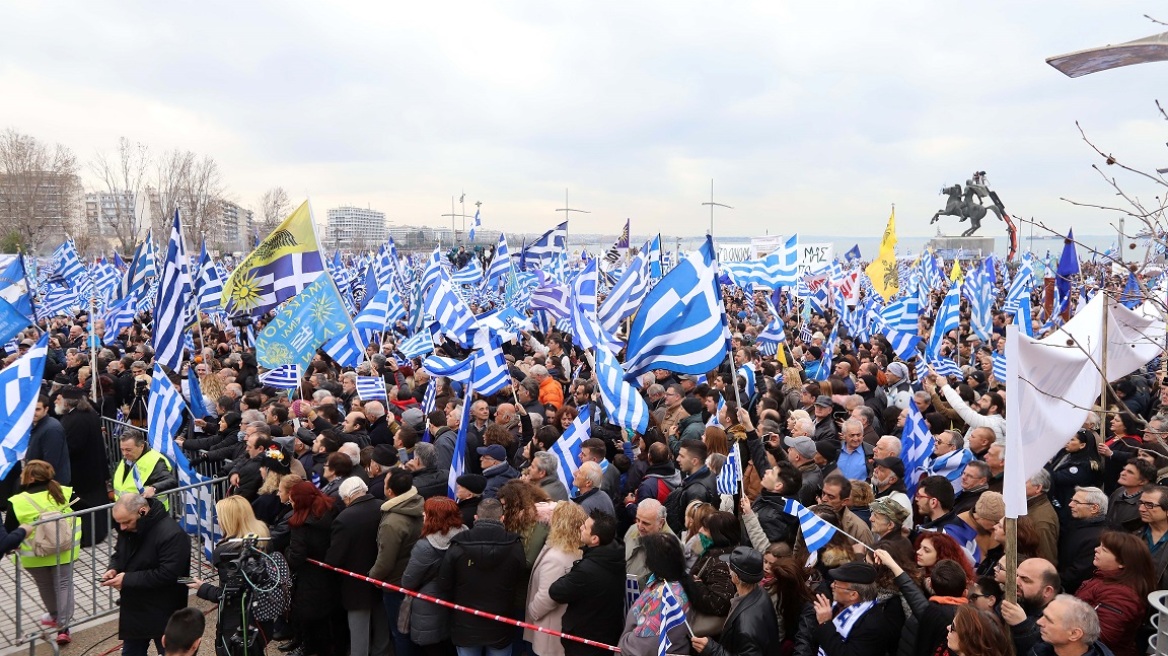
[355, 228]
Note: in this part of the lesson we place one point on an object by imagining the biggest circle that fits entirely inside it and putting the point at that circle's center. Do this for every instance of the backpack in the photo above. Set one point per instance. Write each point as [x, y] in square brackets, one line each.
[53, 537]
[675, 504]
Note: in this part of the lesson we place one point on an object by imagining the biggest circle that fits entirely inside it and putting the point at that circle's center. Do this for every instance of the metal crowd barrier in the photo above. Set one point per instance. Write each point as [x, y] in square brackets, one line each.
[112, 429]
[21, 607]
[1159, 640]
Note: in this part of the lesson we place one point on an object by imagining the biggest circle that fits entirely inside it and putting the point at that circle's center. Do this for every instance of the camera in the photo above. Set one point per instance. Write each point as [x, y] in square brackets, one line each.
[248, 577]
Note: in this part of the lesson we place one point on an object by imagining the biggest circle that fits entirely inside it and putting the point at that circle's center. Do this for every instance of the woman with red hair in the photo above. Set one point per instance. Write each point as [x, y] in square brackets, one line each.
[313, 594]
[932, 548]
[430, 623]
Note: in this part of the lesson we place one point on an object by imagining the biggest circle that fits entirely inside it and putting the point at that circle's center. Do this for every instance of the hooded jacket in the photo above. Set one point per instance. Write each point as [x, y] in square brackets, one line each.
[429, 623]
[482, 569]
[398, 531]
[594, 593]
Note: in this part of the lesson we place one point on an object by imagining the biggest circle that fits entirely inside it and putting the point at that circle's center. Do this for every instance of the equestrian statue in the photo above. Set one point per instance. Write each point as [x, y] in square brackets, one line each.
[972, 203]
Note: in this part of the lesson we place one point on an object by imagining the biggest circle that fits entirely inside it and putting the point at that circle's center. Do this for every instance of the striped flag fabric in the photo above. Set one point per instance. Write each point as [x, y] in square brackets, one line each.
[672, 615]
[816, 532]
[283, 377]
[999, 366]
[67, 266]
[950, 465]
[948, 318]
[777, 269]
[346, 349]
[626, 295]
[371, 388]
[471, 274]
[420, 344]
[458, 462]
[966, 537]
[902, 314]
[653, 258]
[118, 316]
[454, 319]
[567, 448]
[625, 407]
[771, 337]
[746, 372]
[916, 446]
[681, 325]
[551, 296]
[281, 266]
[174, 294]
[475, 224]
[21, 385]
[946, 367]
[196, 402]
[903, 343]
[428, 397]
[730, 478]
[501, 265]
[380, 312]
[209, 284]
[486, 365]
[543, 252]
[586, 332]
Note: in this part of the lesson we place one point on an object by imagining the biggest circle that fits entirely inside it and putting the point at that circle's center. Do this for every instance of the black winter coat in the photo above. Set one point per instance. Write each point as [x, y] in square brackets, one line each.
[87, 460]
[1077, 541]
[430, 482]
[314, 593]
[481, 569]
[354, 547]
[877, 632]
[752, 628]
[778, 525]
[153, 558]
[594, 593]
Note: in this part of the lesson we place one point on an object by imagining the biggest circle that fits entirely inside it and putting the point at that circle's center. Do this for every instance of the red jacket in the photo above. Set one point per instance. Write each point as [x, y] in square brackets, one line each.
[1121, 612]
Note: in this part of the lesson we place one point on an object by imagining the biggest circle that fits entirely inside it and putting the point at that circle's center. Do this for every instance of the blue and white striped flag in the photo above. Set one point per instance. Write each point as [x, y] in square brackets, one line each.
[209, 284]
[545, 251]
[174, 295]
[902, 314]
[419, 345]
[772, 337]
[284, 377]
[672, 616]
[816, 532]
[966, 537]
[916, 444]
[67, 266]
[731, 475]
[551, 296]
[626, 295]
[371, 388]
[681, 326]
[777, 269]
[458, 462]
[196, 402]
[746, 372]
[586, 331]
[379, 313]
[501, 265]
[471, 274]
[946, 367]
[948, 318]
[454, 318]
[346, 349]
[489, 366]
[903, 343]
[950, 465]
[428, 398]
[20, 383]
[567, 448]
[625, 407]
[999, 366]
[118, 316]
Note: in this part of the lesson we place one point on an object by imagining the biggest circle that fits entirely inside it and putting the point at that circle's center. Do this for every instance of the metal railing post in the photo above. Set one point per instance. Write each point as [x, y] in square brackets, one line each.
[1159, 602]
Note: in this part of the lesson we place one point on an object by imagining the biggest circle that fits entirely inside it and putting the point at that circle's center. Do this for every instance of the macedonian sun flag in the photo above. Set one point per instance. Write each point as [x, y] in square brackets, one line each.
[882, 270]
[283, 264]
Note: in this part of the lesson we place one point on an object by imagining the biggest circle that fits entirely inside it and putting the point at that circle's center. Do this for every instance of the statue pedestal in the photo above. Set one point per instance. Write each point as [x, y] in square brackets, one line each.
[962, 247]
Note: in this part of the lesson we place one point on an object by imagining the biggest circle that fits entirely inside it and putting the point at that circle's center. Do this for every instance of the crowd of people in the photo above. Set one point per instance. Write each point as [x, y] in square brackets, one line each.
[320, 474]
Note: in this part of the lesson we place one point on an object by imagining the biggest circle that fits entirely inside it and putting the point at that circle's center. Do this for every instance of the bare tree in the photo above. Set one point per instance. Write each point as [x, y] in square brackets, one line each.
[122, 176]
[193, 185]
[274, 208]
[40, 192]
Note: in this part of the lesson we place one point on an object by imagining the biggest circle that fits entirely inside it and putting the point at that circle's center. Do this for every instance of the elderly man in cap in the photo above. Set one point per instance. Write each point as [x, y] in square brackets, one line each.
[381, 460]
[496, 469]
[853, 621]
[887, 520]
[752, 626]
[801, 453]
[888, 484]
[824, 421]
[468, 492]
[354, 547]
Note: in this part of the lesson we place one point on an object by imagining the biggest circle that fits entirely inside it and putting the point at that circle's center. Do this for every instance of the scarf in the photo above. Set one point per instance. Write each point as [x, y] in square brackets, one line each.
[846, 620]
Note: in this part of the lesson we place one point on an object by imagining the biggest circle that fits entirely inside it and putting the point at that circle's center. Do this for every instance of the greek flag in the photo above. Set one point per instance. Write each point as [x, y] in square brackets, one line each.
[778, 269]
[14, 286]
[141, 269]
[746, 372]
[458, 463]
[586, 332]
[653, 248]
[948, 318]
[1021, 285]
[209, 285]
[500, 267]
[672, 616]
[67, 266]
[951, 466]
[816, 532]
[371, 388]
[682, 323]
[551, 296]
[380, 312]
[21, 385]
[475, 224]
[490, 370]
[454, 318]
[428, 397]
[471, 274]
[283, 377]
[904, 343]
[626, 296]
[902, 314]
[771, 337]
[999, 366]
[165, 418]
[731, 475]
[567, 448]
[977, 290]
[197, 404]
[174, 294]
[105, 278]
[916, 445]
[966, 537]
[419, 345]
[546, 249]
[346, 349]
[625, 407]
[946, 367]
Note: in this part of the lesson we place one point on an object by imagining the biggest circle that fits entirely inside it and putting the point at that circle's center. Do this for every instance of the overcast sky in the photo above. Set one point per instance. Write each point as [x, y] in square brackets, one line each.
[812, 117]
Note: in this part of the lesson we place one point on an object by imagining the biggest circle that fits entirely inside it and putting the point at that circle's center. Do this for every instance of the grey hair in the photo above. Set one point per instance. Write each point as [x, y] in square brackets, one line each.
[1041, 478]
[352, 450]
[655, 389]
[350, 376]
[982, 469]
[592, 473]
[543, 461]
[250, 416]
[1081, 614]
[654, 506]
[868, 414]
[375, 409]
[867, 591]
[135, 436]
[131, 502]
[805, 425]
[427, 453]
[958, 439]
[320, 395]
[539, 370]
[1095, 496]
[855, 423]
[261, 427]
[891, 439]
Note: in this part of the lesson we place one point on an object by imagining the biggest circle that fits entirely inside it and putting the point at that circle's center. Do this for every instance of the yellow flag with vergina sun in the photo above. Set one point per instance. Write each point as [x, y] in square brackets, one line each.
[882, 271]
[282, 265]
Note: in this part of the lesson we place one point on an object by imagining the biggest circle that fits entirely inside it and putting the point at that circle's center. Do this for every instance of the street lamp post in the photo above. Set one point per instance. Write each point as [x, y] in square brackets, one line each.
[712, 205]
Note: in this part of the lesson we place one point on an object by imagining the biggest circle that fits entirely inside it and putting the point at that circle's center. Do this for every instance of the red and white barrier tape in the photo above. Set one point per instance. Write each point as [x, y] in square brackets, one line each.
[465, 609]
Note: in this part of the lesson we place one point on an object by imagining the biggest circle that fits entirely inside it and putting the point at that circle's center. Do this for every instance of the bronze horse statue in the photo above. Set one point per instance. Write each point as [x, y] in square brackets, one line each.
[968, 205]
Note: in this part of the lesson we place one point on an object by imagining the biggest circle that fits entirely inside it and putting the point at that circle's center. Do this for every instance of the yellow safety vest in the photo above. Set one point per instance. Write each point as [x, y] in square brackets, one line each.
[26, 513]
[124, 479]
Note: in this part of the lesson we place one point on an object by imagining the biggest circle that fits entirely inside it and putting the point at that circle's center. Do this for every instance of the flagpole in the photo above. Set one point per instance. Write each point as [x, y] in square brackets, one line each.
[93, 344]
